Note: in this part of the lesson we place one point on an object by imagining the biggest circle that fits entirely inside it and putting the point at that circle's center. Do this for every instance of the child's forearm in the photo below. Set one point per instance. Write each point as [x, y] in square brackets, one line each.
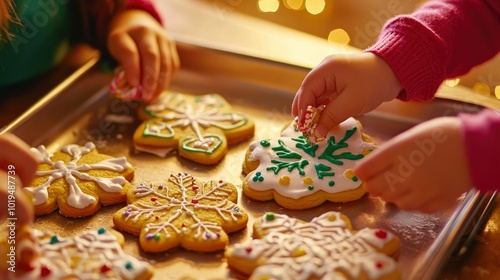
[440, 40]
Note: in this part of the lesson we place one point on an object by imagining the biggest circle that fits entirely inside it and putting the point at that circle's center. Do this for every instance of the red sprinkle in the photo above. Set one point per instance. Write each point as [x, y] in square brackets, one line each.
[379, 265]
[105, 268]
[381, 233]
[248, 249]
[220, 181]
[44, 271]
[194, 201]
[153, 199]
[183, 225]
[157, 218]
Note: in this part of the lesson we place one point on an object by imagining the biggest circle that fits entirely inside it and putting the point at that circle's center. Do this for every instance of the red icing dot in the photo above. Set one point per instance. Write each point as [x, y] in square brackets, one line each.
[379, 265]
[194, 201]
[26, 266]
[105, 268]
[195, 188]
[183, 225]
[248, 249]
[44, 271]
[381, 233]
[153, 199]
[157, 218]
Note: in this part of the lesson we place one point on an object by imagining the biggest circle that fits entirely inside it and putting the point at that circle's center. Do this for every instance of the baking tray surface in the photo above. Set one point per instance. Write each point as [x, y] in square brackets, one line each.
[109, 123]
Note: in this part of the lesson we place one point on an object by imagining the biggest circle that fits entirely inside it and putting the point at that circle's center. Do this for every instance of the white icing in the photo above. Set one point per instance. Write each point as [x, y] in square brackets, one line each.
[297, 188]
[321, 248]
[189, 200]
[80, 257]
[73, 173]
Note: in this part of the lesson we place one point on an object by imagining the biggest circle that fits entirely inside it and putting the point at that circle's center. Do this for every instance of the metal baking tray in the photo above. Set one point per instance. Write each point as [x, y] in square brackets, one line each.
[81, 110]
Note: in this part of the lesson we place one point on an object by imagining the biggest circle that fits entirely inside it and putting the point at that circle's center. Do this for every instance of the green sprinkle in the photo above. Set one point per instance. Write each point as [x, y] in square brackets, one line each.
[355, 179]
[157, 237]
[54, 239]
[265, 143]
[270, 216]
[310, 188]
[101, 231]
[331, 183]
[128, 266]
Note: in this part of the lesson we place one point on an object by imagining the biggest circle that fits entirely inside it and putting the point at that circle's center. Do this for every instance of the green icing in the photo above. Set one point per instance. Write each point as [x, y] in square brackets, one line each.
[299, 165]
[187, 142]
[147, 132]
[305, 145]
[323, 170]
[332, 146]
[265, 143]
[282, 151]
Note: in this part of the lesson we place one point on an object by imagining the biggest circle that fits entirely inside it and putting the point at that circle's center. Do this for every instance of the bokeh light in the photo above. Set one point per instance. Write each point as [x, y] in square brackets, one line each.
[268, 6]
[481, 88]
[294, 4]
[497, 92]
[339, 36]
[452, 82]
[315, 7]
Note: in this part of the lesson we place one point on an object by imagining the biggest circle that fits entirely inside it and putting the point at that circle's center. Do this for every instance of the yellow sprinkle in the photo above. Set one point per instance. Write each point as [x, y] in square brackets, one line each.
[284, 180]
[307, 180]
[332, 217]
[298, 252]
[349, 173]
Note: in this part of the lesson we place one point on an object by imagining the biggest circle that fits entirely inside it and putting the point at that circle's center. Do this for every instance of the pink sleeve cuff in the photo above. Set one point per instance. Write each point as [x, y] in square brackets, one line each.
[145, 5]
[481, 134]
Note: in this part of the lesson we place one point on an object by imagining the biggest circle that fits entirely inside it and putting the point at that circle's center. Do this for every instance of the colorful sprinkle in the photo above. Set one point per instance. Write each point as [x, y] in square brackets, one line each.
[154, 199]
[126, 213]
[160, 187]
[194, 201]
[382, 234]
[54, 239]
[236, 209]
[310, 187]
[157, 237]
[105, 268]
[355, 179]
[128, 266]
[379, 265]
[270, 216]
[248, 249]
[150, 236]
[307, 180]
[258, 177]
[101, 231]
[332, 218]
[207, 235]
[331, 183]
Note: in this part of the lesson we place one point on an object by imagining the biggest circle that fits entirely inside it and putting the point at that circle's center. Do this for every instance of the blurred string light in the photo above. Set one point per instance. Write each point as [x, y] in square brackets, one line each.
[497, 92]
[452, 82]
[481, 88]
[314, 7]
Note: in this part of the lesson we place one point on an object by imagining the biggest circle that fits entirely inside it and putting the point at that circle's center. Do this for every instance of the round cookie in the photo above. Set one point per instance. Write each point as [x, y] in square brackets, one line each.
[77, 180]
[199, 127]
[183, 212]
[325, 248]
[300, 175]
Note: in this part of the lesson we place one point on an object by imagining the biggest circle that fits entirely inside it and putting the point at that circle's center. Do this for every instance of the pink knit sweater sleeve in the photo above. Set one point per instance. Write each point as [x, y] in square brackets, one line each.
[481, 134]
[440, 40]
[145, 5]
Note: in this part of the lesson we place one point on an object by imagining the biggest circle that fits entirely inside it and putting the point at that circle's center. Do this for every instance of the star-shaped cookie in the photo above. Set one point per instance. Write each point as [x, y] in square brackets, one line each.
[183, 212]
[325, 248]
[77, 180]
[199, 127]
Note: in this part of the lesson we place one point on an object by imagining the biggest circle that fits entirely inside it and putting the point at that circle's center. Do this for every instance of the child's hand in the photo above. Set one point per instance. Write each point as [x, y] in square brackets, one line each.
[348, 85]
[17, 168]
[423, 169]
[144, 50]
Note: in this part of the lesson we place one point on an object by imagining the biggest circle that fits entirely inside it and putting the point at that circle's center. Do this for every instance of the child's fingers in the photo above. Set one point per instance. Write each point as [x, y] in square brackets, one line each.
[150, 63]
[17, 158]
[124, 50]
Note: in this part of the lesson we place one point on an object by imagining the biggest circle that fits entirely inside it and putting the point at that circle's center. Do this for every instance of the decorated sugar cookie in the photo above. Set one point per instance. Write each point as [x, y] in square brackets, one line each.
[199, 127]
[299, 174]
[183, 212]
[325, 248]
[96, 254]
[77, 180]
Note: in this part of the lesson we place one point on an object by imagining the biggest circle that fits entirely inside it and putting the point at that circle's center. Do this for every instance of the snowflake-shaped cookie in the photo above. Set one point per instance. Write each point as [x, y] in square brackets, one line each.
[198, 127]
[182, 212]
[299, 174]
[94, 254]
[77, 180]
[325, 248]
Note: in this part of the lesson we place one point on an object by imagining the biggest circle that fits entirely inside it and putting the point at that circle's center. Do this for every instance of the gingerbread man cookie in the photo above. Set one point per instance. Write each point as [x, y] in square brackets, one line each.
[325, 248]
[182, 212]
[199, 127]
[299, 174]
[96, 254]
[77, 180]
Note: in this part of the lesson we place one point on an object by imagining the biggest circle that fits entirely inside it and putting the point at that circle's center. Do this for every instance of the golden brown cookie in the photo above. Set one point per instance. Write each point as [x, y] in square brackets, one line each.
[182, 212]
[77, 180]
[325, 248]
[199, 127]
[94, 254]
[299, 175]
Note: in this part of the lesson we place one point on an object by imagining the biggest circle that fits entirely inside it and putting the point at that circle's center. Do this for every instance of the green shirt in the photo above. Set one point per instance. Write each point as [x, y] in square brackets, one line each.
[40, 43]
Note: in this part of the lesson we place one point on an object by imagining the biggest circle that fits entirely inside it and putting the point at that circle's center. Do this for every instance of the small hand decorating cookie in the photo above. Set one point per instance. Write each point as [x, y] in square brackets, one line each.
[325, 248]
[182, 212]
[199, 127]
[77, 180]
[299, 175]
[94, 254]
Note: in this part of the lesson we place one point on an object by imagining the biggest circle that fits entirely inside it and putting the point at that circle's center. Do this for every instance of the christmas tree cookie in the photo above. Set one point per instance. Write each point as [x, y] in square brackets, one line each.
[298, 174]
